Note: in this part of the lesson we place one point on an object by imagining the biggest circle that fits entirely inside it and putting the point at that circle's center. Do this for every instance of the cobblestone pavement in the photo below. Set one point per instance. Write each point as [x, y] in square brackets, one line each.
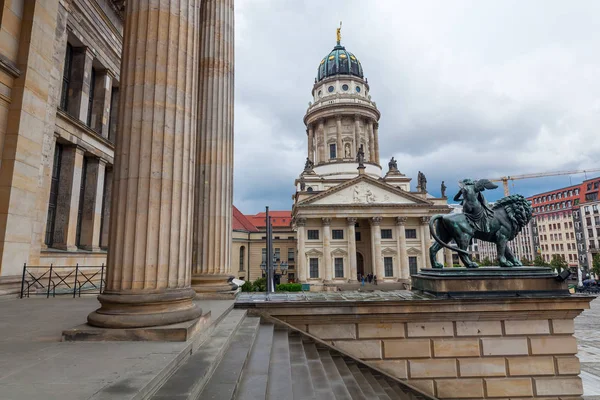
[587, 331]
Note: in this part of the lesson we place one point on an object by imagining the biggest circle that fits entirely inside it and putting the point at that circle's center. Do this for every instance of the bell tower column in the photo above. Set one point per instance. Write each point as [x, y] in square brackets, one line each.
[356, 134]
[371, 141]
[322, 141]
[339, 151]
[311, 145]
[376, 141]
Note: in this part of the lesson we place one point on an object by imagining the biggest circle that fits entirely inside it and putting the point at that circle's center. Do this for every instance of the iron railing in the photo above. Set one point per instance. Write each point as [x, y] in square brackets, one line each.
[62, 279]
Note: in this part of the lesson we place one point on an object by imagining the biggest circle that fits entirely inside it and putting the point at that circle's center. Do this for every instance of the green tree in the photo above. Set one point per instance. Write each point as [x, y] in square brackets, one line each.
[539, 262]
[486, 262]
[526, 261]
[558, 262]
[596, 264]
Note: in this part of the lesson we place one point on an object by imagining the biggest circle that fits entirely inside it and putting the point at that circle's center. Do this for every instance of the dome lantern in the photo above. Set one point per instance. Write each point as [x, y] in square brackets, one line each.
[339, 61]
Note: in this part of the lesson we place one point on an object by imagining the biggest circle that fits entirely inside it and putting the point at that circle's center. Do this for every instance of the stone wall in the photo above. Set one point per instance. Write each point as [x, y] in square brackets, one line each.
[458, 349]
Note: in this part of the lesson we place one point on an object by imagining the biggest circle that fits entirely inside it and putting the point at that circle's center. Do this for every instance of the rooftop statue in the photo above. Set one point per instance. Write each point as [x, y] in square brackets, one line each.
[393, 165]
[498, 224]
[360, 157]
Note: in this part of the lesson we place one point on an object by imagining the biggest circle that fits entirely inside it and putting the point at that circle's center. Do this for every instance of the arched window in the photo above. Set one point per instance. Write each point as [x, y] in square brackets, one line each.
[242, 250]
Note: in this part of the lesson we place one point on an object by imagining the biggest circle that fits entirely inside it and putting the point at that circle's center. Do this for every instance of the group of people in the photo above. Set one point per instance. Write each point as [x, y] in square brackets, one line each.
[370, 278]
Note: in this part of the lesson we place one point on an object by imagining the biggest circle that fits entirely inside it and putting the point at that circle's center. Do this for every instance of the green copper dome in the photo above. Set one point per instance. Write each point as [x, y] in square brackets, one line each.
[339, 62]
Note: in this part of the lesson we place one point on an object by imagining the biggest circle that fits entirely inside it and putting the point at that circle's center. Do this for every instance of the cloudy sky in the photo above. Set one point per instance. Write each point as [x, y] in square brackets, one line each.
[465, 88]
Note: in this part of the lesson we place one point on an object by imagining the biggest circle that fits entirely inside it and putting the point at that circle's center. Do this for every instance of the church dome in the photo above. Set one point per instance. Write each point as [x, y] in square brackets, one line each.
[339, 62]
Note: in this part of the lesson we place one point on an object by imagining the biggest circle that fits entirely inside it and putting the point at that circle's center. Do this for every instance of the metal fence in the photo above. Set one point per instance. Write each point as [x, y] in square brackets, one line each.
[62, 279]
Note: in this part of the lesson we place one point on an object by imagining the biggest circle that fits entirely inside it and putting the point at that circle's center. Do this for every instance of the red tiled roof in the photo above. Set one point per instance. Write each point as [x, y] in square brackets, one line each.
[241, 223]
[279, 219]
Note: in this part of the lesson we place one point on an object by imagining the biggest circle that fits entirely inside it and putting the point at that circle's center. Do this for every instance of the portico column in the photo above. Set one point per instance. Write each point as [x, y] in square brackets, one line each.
[448, 257]
[424, 241]
[377, 261]
[301, 258]
[371, 141]
[92, 204]
[401, 237]
[327, 248]
[322, 141]
[214, 172]
[352, 247]
[149, 256]
[311, 149]
[356, 134]
[339, 152]
[376, 142]
[67, 204]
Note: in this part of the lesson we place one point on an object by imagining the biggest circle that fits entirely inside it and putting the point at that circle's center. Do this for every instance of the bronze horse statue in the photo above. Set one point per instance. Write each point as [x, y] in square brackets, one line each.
[498, 224]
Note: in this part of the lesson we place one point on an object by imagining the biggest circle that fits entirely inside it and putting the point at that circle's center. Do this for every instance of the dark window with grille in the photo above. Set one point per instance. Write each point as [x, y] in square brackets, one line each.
[91, 98]
[337, 234]
[412, 265]
[332, 152]
[264, 255]
[357, 236]
[49, 239]
[314, 267]
[291, 254]
[411, 233]
[339, 267]
[242, 249]
[81, 198]
[64, 95]
[277, 255]
[386, 234]
[388, 266]
[313, 234]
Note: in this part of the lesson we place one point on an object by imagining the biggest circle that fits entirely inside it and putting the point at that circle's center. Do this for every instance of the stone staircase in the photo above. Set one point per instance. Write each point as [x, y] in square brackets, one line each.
[246, 359]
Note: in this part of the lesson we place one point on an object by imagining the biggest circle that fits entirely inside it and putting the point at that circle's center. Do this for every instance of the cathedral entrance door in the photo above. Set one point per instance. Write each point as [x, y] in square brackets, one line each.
[360, 264]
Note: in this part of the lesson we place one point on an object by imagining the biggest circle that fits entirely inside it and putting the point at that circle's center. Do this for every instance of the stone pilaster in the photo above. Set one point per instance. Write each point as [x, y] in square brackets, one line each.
[149, 257]
[352, 247]
[356, 134]
[301, 266]
[327, 249]
[376, 141]
[371, 141]
[401, 238]
[424, 240]
[92, 205]
[114, 115]
[67, 205]
[214, 172]
[104, 233]
[101, 104]
[339, 147]
[311, 144]
[448, 257]
[377, 260]
[322, 143]
[79, 89]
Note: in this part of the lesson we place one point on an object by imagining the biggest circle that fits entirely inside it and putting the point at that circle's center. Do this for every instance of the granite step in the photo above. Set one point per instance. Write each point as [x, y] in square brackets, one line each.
[338, 386]
[349, 380]
[302, 385]
[362, 381]
[224, 381]
[385, 386]
[189, 380]
[280, 378]
[379, 391]
[317, 372]
[253, 385]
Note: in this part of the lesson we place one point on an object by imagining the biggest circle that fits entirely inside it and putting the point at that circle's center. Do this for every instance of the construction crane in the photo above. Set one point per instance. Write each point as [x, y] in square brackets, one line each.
[505, 179]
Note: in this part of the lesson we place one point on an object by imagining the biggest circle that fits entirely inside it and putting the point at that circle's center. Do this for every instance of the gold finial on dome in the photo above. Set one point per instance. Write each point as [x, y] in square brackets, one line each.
[339, 33]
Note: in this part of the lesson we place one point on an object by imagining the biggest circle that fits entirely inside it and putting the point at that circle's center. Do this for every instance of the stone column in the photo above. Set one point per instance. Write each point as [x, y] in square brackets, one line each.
[424, 241]
[79, 86]
[352, 247]
[401, 238]
[104, 234]
[214, 172]
[371, 141]
[327, 248]
[376, 247]
[448, 257]
[339, 147]
[376, 141]
[67, 204]
[114, 115]
[301, 267]
[322, 141]
[149, 257]
[101, 104]
[311, 145]
[356, 133]
[92, 205]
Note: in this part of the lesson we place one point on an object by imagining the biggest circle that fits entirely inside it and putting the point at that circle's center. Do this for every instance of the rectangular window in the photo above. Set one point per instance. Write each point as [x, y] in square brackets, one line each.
[357, 236]
[314, 267]
[49, 239]
[102, 211]
[64, 95]
[313, 234]
[339, 267]
[277, 254]
[337, 234]
[388, 266]
[332, 152]
[91, 98]
[81, 199]
[412, 265]
[264, 255]
[386, 233]
[242, 258]
[291, 254]
[411, 233]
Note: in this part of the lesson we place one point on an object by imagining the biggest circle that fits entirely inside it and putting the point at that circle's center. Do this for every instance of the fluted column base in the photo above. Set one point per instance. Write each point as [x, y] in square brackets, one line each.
[205, 284]
[145, 308]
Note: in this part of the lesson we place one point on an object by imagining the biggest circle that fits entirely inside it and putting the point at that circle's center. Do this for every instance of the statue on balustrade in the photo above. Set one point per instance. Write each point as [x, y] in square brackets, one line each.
[498, 223]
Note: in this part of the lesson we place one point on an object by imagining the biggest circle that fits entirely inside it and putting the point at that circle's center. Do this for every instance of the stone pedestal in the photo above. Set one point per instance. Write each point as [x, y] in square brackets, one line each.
[489, 281]
[150, 246]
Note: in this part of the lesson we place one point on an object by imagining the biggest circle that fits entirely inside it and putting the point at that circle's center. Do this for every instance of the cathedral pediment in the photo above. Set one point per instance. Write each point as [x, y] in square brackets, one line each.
[364, 191]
